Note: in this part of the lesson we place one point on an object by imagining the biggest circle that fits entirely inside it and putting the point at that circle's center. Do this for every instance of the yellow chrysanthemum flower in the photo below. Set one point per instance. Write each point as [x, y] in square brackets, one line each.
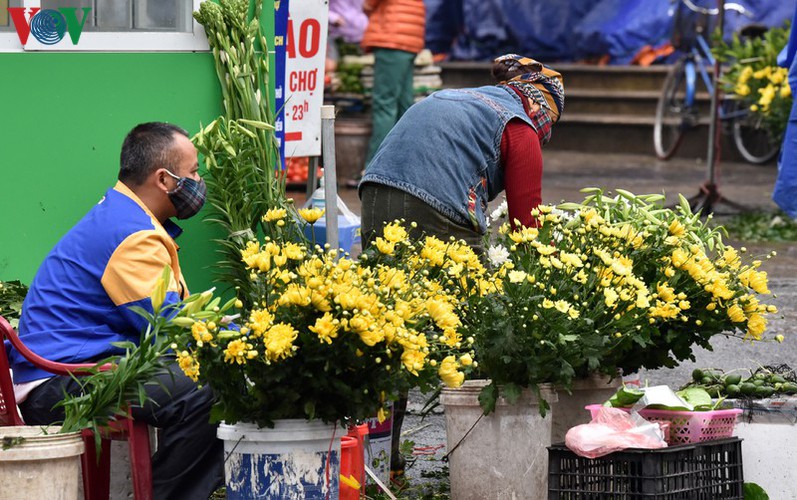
[756, 325]
[275, 214]
[325, 327]
[189, 365]
[448, 372]
[236, 351]
[736, 314]
[295, 295]
[757, 280]
[279, 341]
[384, 246]
[311, 215]
[745, 74]
[394, 232]
[610, 297]
[442, 313]
[517, 276]
[562, 306]
[413, 361]
[293, 251]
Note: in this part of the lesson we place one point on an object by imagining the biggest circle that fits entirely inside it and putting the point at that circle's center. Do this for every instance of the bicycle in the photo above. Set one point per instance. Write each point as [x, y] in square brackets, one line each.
[678, 110]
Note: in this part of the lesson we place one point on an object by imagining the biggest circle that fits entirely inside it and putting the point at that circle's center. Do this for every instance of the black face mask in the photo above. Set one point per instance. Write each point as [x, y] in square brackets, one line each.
[188, 197]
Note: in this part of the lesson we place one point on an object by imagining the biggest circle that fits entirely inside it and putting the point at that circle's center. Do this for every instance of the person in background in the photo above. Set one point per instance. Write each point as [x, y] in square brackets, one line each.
[395, 35]
[79, 304]
[785, 191]
[458, 149]
[455, 151]
[347, 23]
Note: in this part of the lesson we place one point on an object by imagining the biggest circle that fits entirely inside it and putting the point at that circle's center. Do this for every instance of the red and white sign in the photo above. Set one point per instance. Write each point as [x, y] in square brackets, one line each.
[305, 47]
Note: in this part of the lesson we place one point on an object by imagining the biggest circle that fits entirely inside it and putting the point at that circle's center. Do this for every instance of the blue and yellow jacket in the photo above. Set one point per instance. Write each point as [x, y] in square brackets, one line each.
[79, 302]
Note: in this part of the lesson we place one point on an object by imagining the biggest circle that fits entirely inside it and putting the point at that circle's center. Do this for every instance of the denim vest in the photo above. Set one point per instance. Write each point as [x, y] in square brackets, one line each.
[446, 150]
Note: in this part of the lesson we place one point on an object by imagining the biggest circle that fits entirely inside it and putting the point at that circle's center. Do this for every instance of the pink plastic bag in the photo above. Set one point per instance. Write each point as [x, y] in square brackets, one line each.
[612, 430]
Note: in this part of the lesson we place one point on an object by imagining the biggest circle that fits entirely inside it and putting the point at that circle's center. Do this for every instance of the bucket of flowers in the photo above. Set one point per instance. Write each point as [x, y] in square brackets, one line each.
[612, 283]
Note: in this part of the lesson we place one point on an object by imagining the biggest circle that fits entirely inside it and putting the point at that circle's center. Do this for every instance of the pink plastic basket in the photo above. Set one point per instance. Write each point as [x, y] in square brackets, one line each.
[689, 426]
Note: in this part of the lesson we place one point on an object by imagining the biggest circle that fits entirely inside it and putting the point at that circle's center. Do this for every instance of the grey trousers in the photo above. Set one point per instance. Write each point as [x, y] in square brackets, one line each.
[189, 463]
[383, 204]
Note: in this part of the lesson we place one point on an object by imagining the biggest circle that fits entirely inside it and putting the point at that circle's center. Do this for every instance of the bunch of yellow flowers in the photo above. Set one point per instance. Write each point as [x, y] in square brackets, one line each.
[613, 282]
[755, 79]
[330, 337]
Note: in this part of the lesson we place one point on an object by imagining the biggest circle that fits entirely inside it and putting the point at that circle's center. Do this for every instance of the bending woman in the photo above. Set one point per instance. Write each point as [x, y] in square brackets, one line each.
[453, 152]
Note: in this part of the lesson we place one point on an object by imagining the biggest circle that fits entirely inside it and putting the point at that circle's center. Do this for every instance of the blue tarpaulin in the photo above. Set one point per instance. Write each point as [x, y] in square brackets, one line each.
[569, 30]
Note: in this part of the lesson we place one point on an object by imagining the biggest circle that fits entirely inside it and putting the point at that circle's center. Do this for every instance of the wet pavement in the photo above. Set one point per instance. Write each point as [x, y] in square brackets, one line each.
[564, 175]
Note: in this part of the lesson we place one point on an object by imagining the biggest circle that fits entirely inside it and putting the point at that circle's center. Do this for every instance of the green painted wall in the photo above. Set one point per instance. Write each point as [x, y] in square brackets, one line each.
[64, 117]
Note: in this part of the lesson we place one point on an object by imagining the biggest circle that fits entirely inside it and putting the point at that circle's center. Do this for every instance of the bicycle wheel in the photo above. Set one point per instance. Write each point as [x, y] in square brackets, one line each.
[672, 113]
[752, 140]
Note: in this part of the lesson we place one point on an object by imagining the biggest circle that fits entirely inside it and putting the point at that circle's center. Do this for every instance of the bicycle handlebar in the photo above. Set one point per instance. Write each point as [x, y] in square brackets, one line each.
[713, 12]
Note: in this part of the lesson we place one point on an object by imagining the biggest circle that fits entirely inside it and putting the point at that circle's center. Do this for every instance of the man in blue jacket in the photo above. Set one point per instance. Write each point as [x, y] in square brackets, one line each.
[79, 304]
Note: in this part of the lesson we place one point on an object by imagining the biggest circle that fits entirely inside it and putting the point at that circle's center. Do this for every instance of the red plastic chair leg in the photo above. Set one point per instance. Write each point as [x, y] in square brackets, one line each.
[96, 475]
[140, 460]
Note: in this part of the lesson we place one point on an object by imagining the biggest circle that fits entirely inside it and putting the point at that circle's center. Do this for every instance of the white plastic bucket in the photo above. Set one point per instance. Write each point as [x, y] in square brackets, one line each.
[569, 411]
[297, 459]
[378, 448]
[505, 455]
[38, 463]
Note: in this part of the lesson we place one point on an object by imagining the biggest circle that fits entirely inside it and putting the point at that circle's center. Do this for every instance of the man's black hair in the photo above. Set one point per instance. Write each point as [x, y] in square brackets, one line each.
[148, 147]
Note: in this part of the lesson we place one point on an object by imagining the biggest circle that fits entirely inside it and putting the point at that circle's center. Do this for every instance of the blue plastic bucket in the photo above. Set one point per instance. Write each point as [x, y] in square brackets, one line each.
[297, 459]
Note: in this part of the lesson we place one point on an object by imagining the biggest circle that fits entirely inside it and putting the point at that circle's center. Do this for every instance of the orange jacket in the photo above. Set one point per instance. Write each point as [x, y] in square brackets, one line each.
[395, 24]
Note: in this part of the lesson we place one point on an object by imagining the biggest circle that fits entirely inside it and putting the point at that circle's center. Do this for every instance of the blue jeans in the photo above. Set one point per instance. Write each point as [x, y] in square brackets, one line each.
[392, 93]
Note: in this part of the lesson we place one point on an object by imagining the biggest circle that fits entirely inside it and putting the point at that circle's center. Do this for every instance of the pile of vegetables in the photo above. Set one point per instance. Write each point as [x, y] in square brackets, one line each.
[697, 397]
[766, 381]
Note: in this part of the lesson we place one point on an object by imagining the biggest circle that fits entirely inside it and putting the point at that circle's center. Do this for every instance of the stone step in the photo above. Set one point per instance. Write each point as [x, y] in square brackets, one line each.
[631, 134]
[576, 76]
[620, 102]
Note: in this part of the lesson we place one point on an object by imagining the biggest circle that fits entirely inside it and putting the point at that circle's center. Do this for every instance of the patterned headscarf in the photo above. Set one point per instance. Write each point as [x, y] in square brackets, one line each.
[541, 84]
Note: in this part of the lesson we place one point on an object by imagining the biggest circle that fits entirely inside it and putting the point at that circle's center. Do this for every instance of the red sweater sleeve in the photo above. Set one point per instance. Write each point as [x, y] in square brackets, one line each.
[521, 156]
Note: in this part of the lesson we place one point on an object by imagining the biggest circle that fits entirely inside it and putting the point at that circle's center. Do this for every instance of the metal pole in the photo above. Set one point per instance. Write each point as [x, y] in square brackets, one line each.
[713, 129]
[330, 174]
[312, 181]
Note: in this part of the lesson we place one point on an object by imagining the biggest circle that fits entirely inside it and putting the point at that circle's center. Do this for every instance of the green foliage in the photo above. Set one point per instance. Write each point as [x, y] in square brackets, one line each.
[240, 148]
[762, 226]
[752, 491]
[12, 294]
[106, 395]
[349, 76]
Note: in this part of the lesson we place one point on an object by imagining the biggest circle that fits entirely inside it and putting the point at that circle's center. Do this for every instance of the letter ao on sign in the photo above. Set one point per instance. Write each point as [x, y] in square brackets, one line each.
[305, 48]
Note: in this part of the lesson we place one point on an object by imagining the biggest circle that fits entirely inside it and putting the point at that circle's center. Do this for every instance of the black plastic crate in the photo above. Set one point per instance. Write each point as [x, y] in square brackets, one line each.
[709, 470]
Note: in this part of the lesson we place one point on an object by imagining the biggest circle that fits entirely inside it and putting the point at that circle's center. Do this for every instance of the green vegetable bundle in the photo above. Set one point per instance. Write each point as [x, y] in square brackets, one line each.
[763, 383]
